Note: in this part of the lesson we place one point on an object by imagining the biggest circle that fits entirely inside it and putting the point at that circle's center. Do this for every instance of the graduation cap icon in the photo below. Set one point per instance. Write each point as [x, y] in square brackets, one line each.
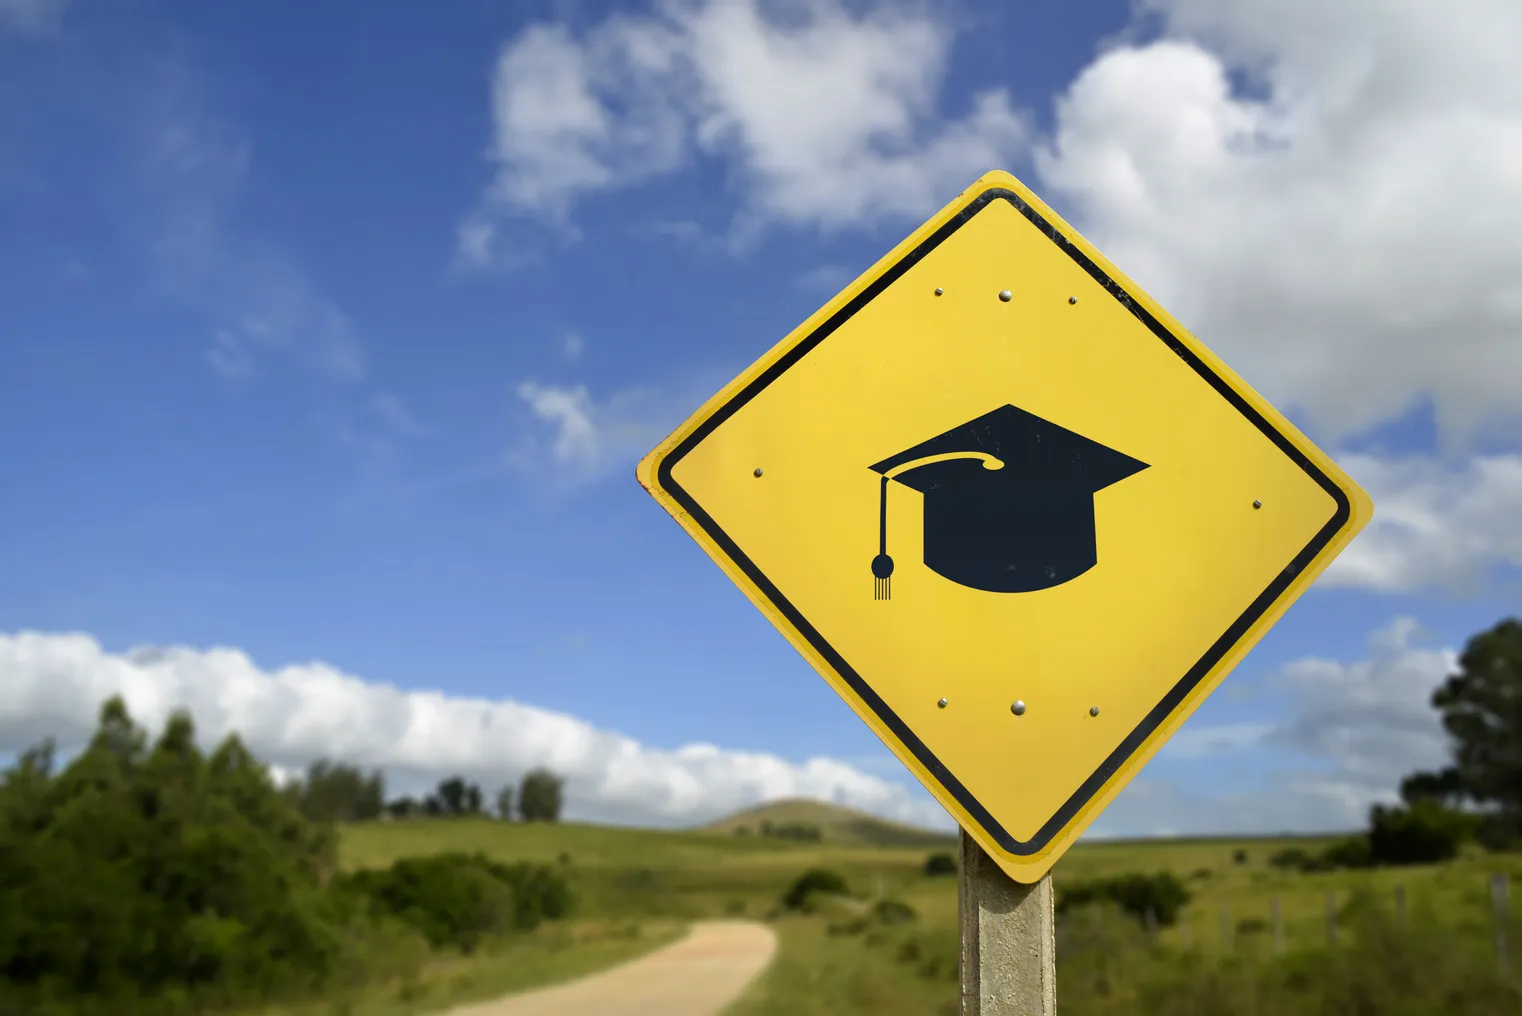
[1009, 502]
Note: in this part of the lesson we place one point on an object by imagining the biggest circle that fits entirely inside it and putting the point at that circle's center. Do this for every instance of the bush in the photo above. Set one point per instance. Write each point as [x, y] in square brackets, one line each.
[940, 864]
[456, 900]
[892, 912]
[1424, 832]
[1162, 895]
[1499, 831]
[815, 880]
[1289, 859]
[158, 872]
[1239, 856]
[1352, 852]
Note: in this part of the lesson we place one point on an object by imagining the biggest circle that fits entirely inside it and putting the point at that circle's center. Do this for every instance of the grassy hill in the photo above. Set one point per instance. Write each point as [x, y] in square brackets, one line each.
[836, 824]
[633, 875]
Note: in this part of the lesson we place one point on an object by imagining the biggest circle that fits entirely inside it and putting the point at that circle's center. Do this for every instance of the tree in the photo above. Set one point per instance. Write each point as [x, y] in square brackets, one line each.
[505, 804]
[452, 795]
[1481, 707]
[334, 792]
[540, 796]
[1423, 833]
[154, 870]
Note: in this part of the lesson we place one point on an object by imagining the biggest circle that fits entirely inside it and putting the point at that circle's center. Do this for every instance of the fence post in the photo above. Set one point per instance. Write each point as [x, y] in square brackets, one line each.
[1278, 928]
[1331, 917]
[1498, 889]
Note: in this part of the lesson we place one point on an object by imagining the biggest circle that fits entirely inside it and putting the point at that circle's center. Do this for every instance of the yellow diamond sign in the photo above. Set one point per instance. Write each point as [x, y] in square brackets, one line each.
[1017, 516]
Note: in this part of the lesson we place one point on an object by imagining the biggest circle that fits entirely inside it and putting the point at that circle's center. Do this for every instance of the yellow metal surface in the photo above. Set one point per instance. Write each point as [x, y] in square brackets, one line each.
[1189, 573]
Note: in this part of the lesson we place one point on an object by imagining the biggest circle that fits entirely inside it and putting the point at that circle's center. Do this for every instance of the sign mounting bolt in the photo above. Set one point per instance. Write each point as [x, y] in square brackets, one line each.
[1006, 295]
[941, 703]
[1093, 710]
[1072, 299]
[758, 470]
[1257, 504]
[939, 291]
[1018, 708]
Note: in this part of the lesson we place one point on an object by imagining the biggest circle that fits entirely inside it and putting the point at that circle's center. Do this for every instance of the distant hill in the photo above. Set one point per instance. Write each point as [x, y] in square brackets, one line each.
[836, 825]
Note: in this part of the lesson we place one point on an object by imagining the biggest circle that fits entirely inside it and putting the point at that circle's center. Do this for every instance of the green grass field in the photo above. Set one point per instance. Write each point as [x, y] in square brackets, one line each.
[830, 963]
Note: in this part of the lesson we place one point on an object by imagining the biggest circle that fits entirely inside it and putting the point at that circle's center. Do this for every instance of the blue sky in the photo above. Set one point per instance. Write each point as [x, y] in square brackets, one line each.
[331, 336]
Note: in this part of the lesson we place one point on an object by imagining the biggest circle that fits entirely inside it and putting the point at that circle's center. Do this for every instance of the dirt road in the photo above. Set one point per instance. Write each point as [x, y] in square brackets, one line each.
[696, 976]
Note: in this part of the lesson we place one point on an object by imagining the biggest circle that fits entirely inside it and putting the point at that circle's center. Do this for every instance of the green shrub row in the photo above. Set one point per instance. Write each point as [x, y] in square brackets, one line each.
[155, 879]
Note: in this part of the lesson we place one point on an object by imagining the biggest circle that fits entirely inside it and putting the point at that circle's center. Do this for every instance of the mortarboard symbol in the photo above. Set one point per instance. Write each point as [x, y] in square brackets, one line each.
[1009, 502]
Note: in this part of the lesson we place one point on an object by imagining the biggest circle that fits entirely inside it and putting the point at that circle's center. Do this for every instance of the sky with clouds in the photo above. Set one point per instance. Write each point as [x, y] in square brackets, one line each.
[330, 338]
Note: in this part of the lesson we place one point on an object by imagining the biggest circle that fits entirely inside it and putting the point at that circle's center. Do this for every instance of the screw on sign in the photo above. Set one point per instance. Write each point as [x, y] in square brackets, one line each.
[1069, 493]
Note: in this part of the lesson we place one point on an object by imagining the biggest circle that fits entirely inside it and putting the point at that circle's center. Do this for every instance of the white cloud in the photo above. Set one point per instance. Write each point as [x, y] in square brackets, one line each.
[827, 118]
[55, 683]
[589, 438]
[1200, 742]
[1347, 734]
[1345, 235]
[30, 17]
[1373, 719]
[1435, 524]
[578, 440]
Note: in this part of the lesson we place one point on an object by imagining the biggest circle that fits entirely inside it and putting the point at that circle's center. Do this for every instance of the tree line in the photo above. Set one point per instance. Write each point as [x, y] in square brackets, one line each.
[337, 792]
[150, 877]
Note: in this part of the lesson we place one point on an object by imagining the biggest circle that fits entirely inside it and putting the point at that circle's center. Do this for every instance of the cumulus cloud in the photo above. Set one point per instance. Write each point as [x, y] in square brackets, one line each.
[1343, 230]
[1373, 720]
[1345, 735]
[289, 716]
[1436, 524]
[588, 437]
[827, 118]
[580, 437]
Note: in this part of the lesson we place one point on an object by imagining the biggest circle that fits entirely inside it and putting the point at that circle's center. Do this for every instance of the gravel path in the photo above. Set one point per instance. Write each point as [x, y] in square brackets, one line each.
[696, 976]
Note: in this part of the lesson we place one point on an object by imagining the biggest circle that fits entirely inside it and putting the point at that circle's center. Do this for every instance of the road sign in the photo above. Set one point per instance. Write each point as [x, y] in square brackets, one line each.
[1018, 517]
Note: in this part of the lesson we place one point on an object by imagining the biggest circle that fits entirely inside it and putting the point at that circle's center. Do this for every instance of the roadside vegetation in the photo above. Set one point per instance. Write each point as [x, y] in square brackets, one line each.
[153, 878]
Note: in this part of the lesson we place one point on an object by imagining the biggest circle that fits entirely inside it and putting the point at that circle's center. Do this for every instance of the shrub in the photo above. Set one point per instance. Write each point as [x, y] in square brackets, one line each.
[1162, 895]
[1299, 859]
[1352, 852]
[1423, 833]
[455, 900]
[893, 912]
[940, 864]
[159, 872]
[815, 880]
[1499, 831]
[1239, 856]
